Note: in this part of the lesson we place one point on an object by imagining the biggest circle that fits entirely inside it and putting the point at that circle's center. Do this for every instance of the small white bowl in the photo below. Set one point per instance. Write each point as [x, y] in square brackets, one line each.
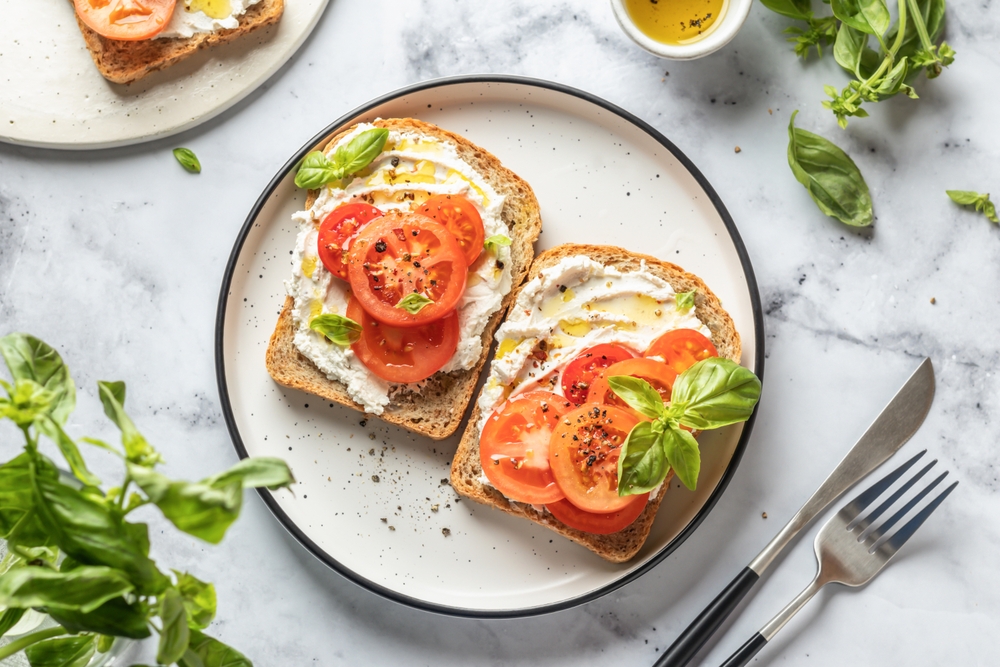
[736, 12]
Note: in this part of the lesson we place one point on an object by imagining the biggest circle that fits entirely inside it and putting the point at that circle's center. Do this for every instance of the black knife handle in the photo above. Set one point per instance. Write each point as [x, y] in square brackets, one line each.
[702, 628]
[746, 652]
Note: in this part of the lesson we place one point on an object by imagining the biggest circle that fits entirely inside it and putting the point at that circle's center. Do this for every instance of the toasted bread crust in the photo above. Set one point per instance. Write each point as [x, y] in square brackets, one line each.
[127, 61]
[438, 410]
[619, 547]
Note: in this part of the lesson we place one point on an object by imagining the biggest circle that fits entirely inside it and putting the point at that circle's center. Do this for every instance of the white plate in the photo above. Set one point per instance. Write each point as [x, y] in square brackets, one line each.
[52, 96]
[601, 176]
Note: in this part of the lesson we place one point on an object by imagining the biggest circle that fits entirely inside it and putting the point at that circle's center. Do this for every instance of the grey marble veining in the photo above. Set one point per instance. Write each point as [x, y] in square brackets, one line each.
[116, 258]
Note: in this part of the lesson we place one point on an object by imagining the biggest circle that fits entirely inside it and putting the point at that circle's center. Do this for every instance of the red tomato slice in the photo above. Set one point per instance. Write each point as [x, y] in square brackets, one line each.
[401, 254]
[403, 355]
[599, 524]
[127, 20]
[514, 447]
[461, 218]
[580, 373]
[583, 454]
[652, 371]
[681, 349]
[338, 230]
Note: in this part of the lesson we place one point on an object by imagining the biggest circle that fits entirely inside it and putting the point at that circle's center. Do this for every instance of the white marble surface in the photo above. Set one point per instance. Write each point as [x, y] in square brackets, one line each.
[116, 258]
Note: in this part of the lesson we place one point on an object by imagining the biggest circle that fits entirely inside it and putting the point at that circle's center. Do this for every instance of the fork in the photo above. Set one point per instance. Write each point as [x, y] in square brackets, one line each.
[850, 551]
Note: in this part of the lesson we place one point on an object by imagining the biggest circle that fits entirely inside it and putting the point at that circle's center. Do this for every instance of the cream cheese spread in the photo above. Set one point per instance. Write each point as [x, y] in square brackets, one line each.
[410, 169]
[187, 21]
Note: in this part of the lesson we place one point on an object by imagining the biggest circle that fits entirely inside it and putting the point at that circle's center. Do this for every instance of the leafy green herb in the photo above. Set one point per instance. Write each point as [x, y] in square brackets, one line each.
[338, 329]
[413, 303]
[710, 394]
[105, 584]
[832, 179]
[188, 160]
[493, 243]
[685, 300]
[317, 170]
[981, 202]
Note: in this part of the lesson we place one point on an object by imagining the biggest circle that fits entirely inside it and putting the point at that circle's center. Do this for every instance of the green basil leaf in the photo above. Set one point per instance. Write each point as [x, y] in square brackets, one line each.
[9, 619]
[211, 653]
[361, 150]
[137, 449]
[685, 300]
[494, 243]
[713, 393]
[17, 503]
[115, 617]
[964, 197]
[62, 651]
[683, 455]
[642, 464]
[832, 179]
[104, 643]
[188, 160]
[316, 171]
[256, 471]
[138, 534]
[29, 358]
[638, 393]
[29, 402]
[869, 16]
[413, 303]
[338, 329]
[84, 588]
[174, 632]
[199, 600]
[849, 47]
[793, 9]
[51, 428]
[990, 211]
[892, 81]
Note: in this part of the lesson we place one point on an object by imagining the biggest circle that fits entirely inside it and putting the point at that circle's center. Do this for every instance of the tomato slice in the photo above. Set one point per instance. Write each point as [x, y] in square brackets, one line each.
[514, 447]
[401, 254]
[681, 349]
[652, 371]
[338, 230]
[128, 20]
[403, 355]
[580, 373]
[598, 523]
[583, 454]
[461, 218]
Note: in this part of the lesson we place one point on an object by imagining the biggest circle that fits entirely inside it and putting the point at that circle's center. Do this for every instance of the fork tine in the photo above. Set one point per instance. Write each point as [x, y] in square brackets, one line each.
[880, 510]
[867, 497]
[876, 539]
[907, 531]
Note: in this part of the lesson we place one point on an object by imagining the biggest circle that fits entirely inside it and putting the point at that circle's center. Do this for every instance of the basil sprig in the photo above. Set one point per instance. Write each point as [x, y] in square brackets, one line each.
[338, 329]
[413, 303]
[981, 202]
[832, 179]
[712, 393]
[188, 160]
[317, 170]
[73, 553]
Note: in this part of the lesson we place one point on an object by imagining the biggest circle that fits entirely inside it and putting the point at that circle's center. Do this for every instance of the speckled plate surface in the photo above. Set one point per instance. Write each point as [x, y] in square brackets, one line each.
[372, 500]
[52, 96]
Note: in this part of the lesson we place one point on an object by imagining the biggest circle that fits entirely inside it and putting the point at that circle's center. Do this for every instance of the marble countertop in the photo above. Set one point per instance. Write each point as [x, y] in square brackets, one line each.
[116, 257]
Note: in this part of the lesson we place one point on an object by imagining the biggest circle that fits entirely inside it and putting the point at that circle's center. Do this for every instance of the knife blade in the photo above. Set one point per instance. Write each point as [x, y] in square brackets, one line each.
[893, 427]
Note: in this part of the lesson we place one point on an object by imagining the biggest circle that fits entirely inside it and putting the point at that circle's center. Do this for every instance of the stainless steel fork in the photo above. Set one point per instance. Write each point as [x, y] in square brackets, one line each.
[850, 550]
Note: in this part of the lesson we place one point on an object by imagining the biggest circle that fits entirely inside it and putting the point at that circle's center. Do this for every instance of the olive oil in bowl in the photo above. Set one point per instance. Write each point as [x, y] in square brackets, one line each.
[676, 21]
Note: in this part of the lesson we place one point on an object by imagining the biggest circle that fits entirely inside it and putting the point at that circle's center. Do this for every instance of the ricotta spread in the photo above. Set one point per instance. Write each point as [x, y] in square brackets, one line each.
[188, 19]
[410, 169]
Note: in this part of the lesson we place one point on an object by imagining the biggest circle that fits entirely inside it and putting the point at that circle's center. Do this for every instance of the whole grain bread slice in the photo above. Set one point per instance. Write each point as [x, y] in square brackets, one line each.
[127, 61]
[466, 470]
[436, 411]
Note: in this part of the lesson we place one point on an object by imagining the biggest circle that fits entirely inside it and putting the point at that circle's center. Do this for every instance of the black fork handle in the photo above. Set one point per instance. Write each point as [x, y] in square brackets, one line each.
[702, 628]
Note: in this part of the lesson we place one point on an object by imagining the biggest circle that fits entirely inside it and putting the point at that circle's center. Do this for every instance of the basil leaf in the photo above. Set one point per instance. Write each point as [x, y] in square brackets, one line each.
[714, 392]
[685, 300]
[868, 16]
[642, 464]
[681, 451]
[51, 428]
[316, 171]
[28, 403]
[849, 47]
[493, 243]
[793, 9]
[17, 504]
[255, 472]
[338, 329]
[174, 634]
[9, 619]
[413, 303]
[84, 588]
[980, 201]
[361, 150]
[137, 449]
[114, 617]
[62, 651]
[211, 653]
[29, 358]
[188, 160]
[638, 393]
[199, 600]
[892, 81]
[832, 179]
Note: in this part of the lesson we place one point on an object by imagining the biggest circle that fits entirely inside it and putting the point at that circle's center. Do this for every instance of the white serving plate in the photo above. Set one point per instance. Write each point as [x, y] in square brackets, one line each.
[52, 96]
[601, 176]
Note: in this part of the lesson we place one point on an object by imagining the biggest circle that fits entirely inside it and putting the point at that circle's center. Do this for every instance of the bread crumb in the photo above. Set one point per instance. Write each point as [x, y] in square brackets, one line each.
[384, 520]
[434, 508]
[933, 301]
[392, 528]
[770, 111]
[763, 515]
[446, 531]
[738, 149]
[375, 478]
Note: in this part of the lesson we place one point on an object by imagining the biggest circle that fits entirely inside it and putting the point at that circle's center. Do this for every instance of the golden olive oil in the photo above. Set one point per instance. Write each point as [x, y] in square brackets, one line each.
[216, 9]
[676, 21]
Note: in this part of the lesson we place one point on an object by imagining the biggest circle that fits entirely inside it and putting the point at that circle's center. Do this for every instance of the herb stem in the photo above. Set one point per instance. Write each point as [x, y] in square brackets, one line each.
[27, 640]
[918, 23]
[890, 55]
[121, 496]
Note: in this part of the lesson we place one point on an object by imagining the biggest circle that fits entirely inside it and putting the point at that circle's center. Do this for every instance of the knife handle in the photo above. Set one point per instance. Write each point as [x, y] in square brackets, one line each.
[746, 652]
[702, 628]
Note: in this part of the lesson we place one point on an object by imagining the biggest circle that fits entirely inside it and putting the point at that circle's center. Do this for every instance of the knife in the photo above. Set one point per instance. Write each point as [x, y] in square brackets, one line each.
[897, 422]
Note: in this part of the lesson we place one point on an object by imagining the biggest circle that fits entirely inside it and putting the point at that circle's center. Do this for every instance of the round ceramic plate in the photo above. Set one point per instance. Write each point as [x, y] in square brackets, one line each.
[52, 95]
[372, 501]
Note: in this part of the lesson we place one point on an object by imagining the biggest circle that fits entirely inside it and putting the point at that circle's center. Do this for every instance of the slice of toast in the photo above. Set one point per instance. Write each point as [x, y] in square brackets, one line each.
[466, 470]
[438, 409]
[126, 61]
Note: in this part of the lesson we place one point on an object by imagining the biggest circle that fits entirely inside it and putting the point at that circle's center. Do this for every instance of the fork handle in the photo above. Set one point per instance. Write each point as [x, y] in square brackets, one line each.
[702, 628]
[746, 652]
